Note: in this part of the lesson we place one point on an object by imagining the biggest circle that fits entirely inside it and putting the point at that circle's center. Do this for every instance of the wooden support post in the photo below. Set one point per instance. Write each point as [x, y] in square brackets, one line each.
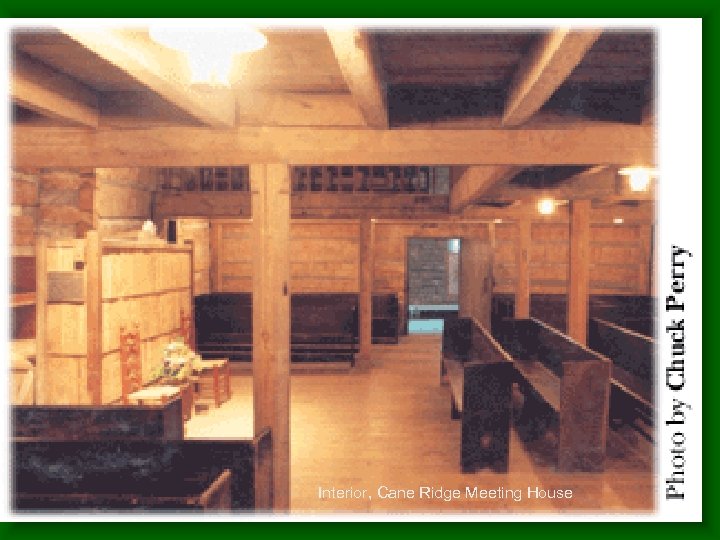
[367, 231]
[522, 287]
[645, 267]
[41, 290]
[271, 319]
[465, 277]
[579, 271]
[93, 303]
[216, 242]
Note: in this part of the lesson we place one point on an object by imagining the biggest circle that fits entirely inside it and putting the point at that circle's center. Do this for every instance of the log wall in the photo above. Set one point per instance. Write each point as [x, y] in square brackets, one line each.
[123, 198]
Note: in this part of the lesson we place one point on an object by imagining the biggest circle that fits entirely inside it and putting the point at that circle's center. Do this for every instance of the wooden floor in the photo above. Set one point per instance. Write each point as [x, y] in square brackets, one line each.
[391, 427]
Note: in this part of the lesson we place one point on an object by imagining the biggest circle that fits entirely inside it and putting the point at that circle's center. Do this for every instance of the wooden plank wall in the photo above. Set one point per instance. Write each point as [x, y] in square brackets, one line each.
[197, 230]
[620, 258]
[63, 377]
[391, 237]
[146, 287]
[231, 255]
[324, 255]
[475, 300]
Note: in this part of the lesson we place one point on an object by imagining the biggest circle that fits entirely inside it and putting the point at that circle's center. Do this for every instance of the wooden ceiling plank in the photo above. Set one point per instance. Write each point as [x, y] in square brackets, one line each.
[50, 93]
[143, 65]
[354, 53]
[548, 65]
[475, 181]
[198, 146]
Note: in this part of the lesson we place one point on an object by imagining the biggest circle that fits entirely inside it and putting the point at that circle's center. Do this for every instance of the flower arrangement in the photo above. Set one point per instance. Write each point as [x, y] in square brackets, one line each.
[178, 362]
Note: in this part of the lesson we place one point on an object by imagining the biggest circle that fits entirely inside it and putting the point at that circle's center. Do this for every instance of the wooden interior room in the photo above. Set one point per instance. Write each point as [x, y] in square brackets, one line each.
[213, 275]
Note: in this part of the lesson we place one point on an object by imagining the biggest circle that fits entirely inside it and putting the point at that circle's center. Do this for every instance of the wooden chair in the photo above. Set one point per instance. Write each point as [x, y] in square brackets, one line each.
[186, 328]
[212, 381]
[130, 361]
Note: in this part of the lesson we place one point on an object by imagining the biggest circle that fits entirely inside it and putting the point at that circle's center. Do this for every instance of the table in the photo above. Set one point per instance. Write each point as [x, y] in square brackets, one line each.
[212, 381]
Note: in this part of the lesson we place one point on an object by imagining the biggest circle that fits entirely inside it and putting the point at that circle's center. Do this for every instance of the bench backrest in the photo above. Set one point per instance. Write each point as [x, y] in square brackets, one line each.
[636, 313]
[229, 313]
[629, 350]
[78, 422]
[143, 467]
[464, 340]
[457, 337]
[324, 314]
[531, 339]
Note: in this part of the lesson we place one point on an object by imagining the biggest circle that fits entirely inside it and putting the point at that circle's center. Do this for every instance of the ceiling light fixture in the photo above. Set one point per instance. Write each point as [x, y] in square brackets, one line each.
[546, 206]
[210, 51]
[639, 178]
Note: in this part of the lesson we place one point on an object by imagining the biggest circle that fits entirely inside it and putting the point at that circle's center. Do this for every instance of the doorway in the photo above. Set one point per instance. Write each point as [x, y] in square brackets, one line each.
[432, 283]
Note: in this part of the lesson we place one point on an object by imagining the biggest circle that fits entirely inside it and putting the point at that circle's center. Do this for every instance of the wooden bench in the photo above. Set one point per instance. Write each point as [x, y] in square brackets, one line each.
[480, 375]
[223, 326]
[635, 313]
[633, 374]
[324, 327]
[563, 383]
[112, 474]
[162, 422]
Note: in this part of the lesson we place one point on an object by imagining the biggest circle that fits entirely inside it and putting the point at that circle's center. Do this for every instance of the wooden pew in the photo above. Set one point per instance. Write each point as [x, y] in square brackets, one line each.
[480, 374]
[564, 383]
[323, 327]
[223, 326]
[79, 422]
[633, 374]
[113, 474]
[636, 313]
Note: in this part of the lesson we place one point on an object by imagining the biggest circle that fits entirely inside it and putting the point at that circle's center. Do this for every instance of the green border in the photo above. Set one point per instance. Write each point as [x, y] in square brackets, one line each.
[366, 8]
[705, 9]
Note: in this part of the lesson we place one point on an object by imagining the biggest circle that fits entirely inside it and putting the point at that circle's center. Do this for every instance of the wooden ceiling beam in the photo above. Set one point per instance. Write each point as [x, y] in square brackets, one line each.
[43, 90]
[358, 63]
[547, 66]
[197, 146]
[475, 181]
[149, 68]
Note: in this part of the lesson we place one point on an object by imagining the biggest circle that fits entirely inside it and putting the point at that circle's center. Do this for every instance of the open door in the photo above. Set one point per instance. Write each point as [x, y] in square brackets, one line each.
[476, 280]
